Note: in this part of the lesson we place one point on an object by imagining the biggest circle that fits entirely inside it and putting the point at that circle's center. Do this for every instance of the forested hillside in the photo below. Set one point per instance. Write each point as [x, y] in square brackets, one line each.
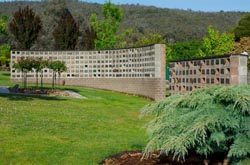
[173, 24]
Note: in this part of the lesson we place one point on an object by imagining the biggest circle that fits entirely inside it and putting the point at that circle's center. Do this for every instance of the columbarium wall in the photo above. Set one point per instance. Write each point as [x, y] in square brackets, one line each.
[187, 75]
[139, 71]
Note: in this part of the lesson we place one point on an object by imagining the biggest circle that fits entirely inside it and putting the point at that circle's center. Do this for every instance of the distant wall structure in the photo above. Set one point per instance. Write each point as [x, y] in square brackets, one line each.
[187, 75]
[139, 71]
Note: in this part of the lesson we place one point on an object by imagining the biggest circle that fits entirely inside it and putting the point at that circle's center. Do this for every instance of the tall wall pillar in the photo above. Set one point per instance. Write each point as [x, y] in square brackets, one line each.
[160, 70]
[238, 66]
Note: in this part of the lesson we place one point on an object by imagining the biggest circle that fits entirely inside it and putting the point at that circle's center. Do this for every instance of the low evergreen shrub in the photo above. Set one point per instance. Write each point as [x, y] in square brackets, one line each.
[208, 121]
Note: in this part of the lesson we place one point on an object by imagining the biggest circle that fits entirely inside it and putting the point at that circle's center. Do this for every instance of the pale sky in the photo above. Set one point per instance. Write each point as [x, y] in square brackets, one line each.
[196, 5]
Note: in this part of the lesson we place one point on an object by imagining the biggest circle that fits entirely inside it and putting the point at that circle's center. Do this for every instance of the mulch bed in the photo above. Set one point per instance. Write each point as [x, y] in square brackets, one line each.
[134, 158]
[38, 91]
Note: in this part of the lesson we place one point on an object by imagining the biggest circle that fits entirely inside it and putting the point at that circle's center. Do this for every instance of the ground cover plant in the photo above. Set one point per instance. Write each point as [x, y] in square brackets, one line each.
[207, 121]
[61, 130]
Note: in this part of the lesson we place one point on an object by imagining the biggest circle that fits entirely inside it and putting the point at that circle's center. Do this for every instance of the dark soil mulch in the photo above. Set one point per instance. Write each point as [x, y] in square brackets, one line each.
[134, 158]
[39, 91]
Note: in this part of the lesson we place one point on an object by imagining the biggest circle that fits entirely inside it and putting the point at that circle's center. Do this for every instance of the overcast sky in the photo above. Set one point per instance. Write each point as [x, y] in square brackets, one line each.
[197, 5]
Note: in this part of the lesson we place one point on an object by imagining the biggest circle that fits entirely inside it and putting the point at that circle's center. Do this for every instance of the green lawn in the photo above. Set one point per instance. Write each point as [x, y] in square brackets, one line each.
[60, 130]
[5, 79]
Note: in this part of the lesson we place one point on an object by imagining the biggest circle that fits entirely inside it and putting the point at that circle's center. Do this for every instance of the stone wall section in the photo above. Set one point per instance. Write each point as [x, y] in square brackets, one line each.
[150, 88]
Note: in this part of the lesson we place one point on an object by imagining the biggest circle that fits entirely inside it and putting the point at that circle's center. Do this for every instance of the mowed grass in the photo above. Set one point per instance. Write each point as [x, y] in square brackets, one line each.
[61, 130]
[5, 79]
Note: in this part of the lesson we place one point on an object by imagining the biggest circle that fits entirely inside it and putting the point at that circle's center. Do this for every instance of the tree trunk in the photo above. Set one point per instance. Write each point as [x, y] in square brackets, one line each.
[37, 79]
[25, 79]
[41, 76]
[59, 77]
[53, 79]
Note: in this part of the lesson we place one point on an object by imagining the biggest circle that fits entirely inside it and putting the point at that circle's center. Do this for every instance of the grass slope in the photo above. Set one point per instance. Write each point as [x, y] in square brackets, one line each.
[60, 130]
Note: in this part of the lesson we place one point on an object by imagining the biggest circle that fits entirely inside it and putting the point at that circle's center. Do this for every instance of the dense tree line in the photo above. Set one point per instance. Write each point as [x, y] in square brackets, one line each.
[56, 27]
[174, 25]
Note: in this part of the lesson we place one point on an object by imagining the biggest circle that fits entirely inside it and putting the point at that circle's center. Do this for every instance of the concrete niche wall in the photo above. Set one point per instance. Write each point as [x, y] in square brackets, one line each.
[187, 75]
[139, 71]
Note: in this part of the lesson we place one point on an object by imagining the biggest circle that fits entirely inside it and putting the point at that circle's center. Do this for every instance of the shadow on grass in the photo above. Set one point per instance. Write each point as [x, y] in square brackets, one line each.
[6, 74]
[22, 97]
[71, 89]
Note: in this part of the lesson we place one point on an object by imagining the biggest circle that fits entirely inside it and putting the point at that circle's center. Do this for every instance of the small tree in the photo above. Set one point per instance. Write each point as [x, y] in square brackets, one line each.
[61, 67]
[39, 64]
[67, 32]
[43, 64]
[216, 44]
[36, 66]
[57, 67]
[106, 29]
[25, 26]
[24, 65]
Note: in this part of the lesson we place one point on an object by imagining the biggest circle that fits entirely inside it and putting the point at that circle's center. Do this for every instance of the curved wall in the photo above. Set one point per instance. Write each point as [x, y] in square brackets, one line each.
[139, 71]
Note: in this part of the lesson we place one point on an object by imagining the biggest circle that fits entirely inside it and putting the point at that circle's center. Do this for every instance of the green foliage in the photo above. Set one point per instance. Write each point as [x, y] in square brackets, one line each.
[57, 67]
[184, 50]
[107, 28]
[4, 55]
[208, 120]
[39, 64]
[5, 48]
[25, 26]
[3, 26]
[216, 44]
[243, 27]
[24, 65]
[244, 162]
[67, 32]
[148, 38]
[27, 64]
